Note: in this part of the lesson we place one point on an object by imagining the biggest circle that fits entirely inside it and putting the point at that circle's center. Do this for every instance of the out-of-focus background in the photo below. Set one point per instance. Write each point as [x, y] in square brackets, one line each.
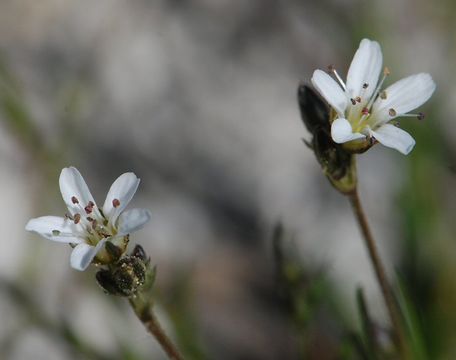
[198, 98]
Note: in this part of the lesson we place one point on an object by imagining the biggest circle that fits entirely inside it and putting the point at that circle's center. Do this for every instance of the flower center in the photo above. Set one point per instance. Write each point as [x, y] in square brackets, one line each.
[359, 113]
[91, 222]
[359, 116]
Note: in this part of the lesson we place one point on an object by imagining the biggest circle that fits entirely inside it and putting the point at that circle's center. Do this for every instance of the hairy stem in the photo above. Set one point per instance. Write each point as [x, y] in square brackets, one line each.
[144, 312]
[380, 273]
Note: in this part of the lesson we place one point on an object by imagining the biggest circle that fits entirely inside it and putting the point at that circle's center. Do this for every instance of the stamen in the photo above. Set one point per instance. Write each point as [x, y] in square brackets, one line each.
[116, 203]
[77, 218]
[74, 200]
[392, 112]
[386, 72]
[55, 232]
[365, 113]
[419, 116]
[361, 96]
[89, 208]
[353, 101]
[90, 219]
[332, 70]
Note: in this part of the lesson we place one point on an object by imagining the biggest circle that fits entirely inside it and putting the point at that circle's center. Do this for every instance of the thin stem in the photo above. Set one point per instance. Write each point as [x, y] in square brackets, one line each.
[145, 314]
[379, 272]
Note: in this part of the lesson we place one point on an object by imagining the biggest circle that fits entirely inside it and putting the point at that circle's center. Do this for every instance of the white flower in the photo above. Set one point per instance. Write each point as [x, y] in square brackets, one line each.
[87, 227]
[363, 112]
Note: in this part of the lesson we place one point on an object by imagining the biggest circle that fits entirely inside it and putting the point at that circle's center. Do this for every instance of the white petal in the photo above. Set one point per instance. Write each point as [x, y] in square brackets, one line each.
[341, 131]
[132, 220]
[403, 96]
[83, 254]
[393, 137]
[72, 184]
[54, 228]
[364, 69]
[123, 190]
[330, 90]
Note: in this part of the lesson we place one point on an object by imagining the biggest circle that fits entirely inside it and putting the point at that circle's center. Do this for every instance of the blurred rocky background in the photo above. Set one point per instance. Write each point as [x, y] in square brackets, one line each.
[198, 98]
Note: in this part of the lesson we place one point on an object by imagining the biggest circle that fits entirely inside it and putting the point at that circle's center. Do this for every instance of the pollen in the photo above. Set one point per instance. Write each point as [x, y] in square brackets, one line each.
[74, 200]
[55, 232]
[365, 85]
[89, 208]
[77, 218]
[115, 203]
[421, 116]
[392, 112]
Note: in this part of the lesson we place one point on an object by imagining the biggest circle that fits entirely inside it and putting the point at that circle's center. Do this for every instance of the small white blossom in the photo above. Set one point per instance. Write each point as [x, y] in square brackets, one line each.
[363, 111]
[87, 227]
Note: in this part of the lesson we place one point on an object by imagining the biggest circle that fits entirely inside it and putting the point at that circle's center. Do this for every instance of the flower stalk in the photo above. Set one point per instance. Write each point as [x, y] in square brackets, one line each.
[399, 337]
[100, 236]
[133, 277]
[144, 312]
[361, 114]
[339, 166]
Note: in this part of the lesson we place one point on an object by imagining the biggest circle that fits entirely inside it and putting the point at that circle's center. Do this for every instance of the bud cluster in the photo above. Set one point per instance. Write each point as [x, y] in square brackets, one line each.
[337, 164]
[128, 275]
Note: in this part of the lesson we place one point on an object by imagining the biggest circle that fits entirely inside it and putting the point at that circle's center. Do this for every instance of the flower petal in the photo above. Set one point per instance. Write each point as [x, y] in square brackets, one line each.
[330, 90]
[83, 254]
[341, 131]
[133, 220]
[72, 184]
[54, 228]
[122, 190]
[393, 137]
[403, 96]
[364, 69]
